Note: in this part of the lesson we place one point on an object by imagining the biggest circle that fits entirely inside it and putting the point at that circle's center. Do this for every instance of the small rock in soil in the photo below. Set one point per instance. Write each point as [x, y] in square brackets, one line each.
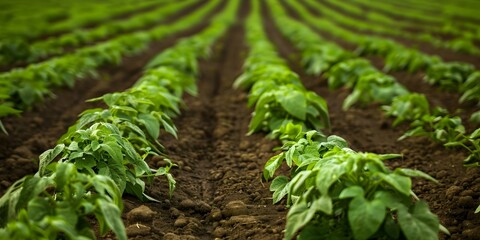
[466, 201]
[181, 222]
[467, 192]
[452, 191]
[242, 219]
[235, 208]
[187, 204]
[252, 166]
[175, 212]
[216, 215]
[216, 176]
[219, 232]
[203, 207]
[471, 233]
[173, 236]
[23, 151]
[442, 174]
[137, 230]
[140, 214]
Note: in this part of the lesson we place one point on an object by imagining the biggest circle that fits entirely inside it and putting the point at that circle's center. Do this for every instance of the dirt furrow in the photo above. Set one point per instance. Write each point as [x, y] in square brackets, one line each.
[220, 193]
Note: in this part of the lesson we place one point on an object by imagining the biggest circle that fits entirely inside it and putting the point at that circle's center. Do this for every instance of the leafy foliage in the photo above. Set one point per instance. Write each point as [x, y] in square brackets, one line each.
[408, 107]
[374, 87]
[409, 59]
[438, 127]
[449, 75]
[353, 191]
[348, 72]
[59, 204]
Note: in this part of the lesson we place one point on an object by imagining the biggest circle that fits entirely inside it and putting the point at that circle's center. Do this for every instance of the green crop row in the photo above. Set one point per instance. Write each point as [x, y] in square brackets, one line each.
[103, 154]
[343, 69]
[27, 20]
[456, 76]
[20, 88]
[376, 26]
[333, 191]
[469, 30]
[383, 23]
[461, 13]
[26, 52]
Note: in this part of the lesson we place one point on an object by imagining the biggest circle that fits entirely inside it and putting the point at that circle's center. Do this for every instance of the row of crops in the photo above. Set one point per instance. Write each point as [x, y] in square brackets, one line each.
[331, 190]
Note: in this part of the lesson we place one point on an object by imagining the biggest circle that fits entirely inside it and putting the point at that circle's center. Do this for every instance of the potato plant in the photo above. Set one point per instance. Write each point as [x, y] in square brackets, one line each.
[59, 203]
[337, 192]
[276, 92]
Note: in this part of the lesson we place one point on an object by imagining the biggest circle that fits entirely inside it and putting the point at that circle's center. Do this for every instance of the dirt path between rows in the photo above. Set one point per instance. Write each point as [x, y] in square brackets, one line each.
[220, 193]
[456, 196]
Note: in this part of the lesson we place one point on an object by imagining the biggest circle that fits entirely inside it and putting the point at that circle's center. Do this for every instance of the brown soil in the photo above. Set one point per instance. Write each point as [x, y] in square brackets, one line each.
[220, 192]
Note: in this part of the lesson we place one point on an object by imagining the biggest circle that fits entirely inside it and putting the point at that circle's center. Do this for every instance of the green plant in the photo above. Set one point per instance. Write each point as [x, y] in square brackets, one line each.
[347, 73]
[265, 70]
[471, 143]
[471, 88]
[342, 194]
[450, 76]
[475, 117]
[408, 59]
[375, 46]
[317, 59]
[101, 149]
[374, 87]
[60, 203]
[408, 107]
[289, 103]
[438, 127]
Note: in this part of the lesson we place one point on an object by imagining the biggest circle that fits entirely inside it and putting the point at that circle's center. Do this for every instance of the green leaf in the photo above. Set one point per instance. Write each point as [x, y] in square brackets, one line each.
[38, 208]
[401, 183]
[272, 165]
[324, 204]
[112, 218]
[328, 175]
[294, 102]
[280, 187]
[365, 217]
[414, 173]
[151, 124]
[113, 150]
[298, 216]
[351, 192]
[418, 224]
[48, 156]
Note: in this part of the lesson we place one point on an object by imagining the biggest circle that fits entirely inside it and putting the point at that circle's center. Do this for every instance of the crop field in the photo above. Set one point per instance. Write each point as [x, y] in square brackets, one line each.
[240, 119]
